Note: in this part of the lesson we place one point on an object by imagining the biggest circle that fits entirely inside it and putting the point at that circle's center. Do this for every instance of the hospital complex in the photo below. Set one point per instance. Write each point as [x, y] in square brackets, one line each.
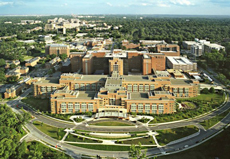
[114, 83]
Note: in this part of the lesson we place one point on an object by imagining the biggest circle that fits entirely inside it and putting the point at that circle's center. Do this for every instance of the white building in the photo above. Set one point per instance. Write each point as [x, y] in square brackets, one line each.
[180, 63]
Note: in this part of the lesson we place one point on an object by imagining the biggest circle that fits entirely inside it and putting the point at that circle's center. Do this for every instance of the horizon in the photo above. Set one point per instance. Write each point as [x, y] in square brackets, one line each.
[133, 7]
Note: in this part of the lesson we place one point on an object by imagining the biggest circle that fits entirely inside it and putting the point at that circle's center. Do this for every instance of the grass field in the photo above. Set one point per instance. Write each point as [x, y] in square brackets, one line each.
[190, 105]
[168, 135]
[209, 123]
[37, 103]
[105, 147]
[26, 57]
[217, 147]
[143, 141]
[73, 138]
[112, 123]
[56, 133]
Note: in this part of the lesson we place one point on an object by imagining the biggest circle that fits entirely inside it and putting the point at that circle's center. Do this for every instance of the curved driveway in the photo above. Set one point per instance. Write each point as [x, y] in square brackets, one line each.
[76, 151]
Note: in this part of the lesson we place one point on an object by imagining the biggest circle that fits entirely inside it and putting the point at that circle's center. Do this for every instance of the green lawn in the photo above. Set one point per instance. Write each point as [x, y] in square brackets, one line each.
[204, 103]
[26, 57]
[168, 135]
[112, 123]
[216, 147]
[209, 123]
[143, 141]
[37, 103]
[190, 105]
[74, 138]
[56, 133]
[105, 147]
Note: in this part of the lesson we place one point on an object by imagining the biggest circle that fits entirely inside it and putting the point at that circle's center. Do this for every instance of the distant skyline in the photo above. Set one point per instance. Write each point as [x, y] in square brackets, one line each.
[184, 7]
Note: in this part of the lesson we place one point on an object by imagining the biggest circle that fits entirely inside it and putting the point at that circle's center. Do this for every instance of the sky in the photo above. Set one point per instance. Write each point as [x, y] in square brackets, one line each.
[47, 7]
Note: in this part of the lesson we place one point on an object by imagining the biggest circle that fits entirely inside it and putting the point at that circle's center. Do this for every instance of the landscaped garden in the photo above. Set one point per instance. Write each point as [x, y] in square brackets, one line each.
[54, 132]
[144, 141]
[37, 103]
[169, 135]
[112, 123]
[211, 122]
[204, 103]
[217, 147]
[106, 147]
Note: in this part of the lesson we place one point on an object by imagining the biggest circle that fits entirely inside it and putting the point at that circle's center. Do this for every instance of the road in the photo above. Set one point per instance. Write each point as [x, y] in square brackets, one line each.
[77, 151]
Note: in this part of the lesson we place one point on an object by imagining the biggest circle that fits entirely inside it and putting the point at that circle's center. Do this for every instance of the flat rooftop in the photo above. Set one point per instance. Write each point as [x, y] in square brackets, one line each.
[47, 80]
[181, 81]
[135, 78]
[120, 55]
[86, 95]
[139, 96]
[179, 60]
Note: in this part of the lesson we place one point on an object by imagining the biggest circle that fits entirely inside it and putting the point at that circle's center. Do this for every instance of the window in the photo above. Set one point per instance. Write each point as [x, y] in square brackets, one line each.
[43, 89]
[76, 86]
[93, 86]
[77, 107]
[135, 88]
[146, 88]
[82, 88]
[161, 108]
[147, 106]
[154, 106]
[129, 87]
[98, 86]
[83, 107]
[175, 90]
[111, 101]
[48, 89]
[140, 107]
[63, 106]
[115, 68]
[140, 88]
[133, 107]
[152, 87]
[88, 87]
[90, 106]
[70, 105]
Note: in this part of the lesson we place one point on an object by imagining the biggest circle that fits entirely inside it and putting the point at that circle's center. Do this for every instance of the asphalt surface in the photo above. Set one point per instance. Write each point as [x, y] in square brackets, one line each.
[77, 151]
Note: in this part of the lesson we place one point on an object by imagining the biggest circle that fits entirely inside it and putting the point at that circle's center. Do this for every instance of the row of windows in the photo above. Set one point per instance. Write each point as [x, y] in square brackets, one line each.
[48, 89]
[88, 87]
[71, 110]
[148, 111]
[147, 107]
[77, 106]
[141, 87]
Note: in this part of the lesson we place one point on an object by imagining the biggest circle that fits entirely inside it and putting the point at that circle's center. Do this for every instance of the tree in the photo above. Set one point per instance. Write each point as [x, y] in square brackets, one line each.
[2, 62]
[205, 91]
[63, 56]
[2, 77]
[12, 66]
[212, 90]
[136, 153]
[12, 79]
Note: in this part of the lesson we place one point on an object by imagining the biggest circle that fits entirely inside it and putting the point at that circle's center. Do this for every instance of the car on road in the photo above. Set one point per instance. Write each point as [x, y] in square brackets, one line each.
[185, 146]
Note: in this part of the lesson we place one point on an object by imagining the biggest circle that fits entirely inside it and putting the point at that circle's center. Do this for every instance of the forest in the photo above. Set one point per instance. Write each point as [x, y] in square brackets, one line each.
[11, 132]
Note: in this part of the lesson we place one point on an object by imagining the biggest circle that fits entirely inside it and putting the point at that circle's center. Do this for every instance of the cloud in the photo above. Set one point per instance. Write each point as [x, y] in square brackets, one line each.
[160, 4]
[109, 4]
[5, 3]
[182, 2]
